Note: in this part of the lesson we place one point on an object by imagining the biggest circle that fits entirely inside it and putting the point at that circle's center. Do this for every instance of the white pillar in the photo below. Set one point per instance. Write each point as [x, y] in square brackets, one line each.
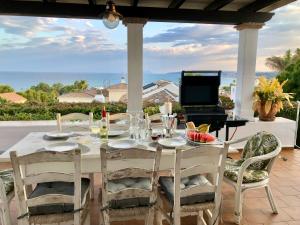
[135, 63]
[248, 35]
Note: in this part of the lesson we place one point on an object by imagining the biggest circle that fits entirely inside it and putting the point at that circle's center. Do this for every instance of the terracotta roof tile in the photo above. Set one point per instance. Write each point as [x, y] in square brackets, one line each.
[13, 97]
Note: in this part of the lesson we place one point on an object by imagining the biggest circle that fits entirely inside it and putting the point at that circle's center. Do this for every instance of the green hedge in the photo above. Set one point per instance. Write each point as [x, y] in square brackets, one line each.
[289, 112]
[39, 111]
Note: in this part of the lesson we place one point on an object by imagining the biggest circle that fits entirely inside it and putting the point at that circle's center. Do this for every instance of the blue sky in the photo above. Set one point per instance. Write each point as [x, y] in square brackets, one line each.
[69, 45]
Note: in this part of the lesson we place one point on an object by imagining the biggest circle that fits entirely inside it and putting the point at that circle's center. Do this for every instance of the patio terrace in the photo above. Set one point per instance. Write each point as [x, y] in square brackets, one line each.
[285, 185]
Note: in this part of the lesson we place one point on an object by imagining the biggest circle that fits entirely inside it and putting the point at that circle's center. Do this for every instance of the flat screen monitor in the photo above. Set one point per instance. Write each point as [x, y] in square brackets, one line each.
[199, 88]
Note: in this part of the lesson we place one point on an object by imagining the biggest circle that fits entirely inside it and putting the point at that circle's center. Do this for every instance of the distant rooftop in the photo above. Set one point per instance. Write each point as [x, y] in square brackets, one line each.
[77, 95]
[13, 97]
[118, 86]
[149, 85]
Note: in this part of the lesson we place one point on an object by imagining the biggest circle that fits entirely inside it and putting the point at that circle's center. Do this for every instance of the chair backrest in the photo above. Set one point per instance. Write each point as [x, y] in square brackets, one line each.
[260, 144]
[114, 118]
[41, 167]
[73, 117]
[136, 171]
[208, 163]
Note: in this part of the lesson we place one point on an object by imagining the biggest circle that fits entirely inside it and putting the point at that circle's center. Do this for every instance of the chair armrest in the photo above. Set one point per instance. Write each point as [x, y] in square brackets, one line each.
[237, 141]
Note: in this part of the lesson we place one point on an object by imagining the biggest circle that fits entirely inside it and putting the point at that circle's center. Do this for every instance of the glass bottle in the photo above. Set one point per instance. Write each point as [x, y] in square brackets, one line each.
[103, 125]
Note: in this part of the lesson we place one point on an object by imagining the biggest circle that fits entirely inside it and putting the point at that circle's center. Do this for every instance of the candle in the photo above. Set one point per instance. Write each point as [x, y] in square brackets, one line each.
[168, 107]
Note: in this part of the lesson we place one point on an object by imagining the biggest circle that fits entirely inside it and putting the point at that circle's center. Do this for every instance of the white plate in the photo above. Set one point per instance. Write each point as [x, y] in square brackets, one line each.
[115, 133]
[172, 142]
[123, 144]
[59, 134]
[62, 147]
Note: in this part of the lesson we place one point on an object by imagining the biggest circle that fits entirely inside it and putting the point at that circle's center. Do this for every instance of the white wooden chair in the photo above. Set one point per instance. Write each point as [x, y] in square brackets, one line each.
[195, 187]
[71, 118]
[117, 117]
[129, 193]
[253, 169]
[77, 117]
[57, 197]
[6, 195]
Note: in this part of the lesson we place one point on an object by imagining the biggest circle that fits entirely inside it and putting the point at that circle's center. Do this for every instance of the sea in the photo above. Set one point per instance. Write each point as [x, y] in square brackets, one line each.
[21, 81]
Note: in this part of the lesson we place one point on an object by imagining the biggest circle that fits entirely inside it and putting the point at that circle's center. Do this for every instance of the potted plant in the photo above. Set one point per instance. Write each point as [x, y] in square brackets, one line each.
[268, 97]
[228, 104]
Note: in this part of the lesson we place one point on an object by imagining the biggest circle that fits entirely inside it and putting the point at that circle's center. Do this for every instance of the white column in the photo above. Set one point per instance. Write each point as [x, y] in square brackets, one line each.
[248, 35]
[135, 63]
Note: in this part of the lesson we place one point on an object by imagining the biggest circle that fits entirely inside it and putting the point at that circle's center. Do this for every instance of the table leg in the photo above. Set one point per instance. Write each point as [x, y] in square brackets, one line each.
[227, 133]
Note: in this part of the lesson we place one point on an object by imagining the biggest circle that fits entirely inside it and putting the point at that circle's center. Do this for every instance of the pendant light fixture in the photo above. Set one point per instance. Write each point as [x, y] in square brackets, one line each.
[111, 17]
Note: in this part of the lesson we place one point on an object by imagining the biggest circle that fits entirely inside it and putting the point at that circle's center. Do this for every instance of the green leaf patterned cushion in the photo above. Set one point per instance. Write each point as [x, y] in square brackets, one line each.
[260, 144]
[7, 179]
[249, 176]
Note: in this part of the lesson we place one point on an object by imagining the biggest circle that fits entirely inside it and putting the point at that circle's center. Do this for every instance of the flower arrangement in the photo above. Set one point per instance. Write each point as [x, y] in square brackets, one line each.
[268, 98]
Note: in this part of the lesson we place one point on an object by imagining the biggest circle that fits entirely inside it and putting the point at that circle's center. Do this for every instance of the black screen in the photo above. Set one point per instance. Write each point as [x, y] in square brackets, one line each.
[199, 88]
[197, 95]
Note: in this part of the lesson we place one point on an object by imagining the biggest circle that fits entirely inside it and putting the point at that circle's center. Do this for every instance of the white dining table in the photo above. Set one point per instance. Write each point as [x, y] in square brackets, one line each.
[90, 160]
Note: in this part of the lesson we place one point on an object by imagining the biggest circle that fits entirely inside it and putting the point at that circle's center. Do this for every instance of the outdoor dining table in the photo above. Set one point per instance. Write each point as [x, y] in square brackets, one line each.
[90, 159]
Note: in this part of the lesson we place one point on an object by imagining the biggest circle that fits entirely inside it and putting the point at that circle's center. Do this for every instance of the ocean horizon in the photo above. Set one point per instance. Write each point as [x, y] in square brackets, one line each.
[21, 81]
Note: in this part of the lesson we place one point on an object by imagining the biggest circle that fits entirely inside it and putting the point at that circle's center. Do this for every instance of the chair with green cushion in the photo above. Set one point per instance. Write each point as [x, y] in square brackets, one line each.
[253, 169]
[6, 195]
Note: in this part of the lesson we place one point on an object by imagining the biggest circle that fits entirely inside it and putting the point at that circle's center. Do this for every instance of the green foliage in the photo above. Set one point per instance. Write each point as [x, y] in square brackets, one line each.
[288, 111]
[47, 111]
[279, 63]
[5, 88]
[2, 101]
[151, 110]
[292, 74]
[33, 95]
[226, 102]
[44, 93]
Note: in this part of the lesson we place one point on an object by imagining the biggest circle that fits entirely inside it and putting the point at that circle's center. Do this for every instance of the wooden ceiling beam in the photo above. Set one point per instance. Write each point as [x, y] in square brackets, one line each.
[85, 11]
[92, 2]
[217, 4]
[175, 4]
[135, 3]
[258, 5]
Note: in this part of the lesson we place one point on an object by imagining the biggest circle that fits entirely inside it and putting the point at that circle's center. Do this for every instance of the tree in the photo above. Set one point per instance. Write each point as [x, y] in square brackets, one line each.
[2, 101]
[279, 63]
[6, 88]
[81, 85]
[41, 87]
[292, 74]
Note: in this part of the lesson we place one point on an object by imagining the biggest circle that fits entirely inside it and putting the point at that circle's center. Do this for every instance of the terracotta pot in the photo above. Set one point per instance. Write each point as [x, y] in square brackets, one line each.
[270, 116]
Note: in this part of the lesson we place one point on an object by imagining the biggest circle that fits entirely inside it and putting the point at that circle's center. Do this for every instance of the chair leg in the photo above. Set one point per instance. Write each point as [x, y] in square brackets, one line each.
[104, 220]
[200, 219]
[271, 199]
[91, 177]
[6, 214]
[150, 217]
[238, 206]
[158, 217]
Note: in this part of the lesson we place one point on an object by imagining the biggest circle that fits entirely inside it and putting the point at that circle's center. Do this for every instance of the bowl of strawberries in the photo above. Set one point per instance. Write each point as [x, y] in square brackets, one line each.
[200, 134]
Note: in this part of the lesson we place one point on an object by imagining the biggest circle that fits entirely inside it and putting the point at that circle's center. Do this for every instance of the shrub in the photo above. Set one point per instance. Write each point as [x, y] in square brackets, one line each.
[288, 111]
[226, 102]
[43, 111]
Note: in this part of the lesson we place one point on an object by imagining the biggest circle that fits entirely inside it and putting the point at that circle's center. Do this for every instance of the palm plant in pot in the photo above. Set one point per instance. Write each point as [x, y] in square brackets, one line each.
[268, 97]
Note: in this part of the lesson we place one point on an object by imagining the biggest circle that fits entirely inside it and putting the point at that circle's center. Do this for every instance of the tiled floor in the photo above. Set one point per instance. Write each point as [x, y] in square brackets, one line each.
[285, 183]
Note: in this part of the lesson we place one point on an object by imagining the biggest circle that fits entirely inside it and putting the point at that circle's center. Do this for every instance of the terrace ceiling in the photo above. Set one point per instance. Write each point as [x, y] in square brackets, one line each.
[230, 12]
